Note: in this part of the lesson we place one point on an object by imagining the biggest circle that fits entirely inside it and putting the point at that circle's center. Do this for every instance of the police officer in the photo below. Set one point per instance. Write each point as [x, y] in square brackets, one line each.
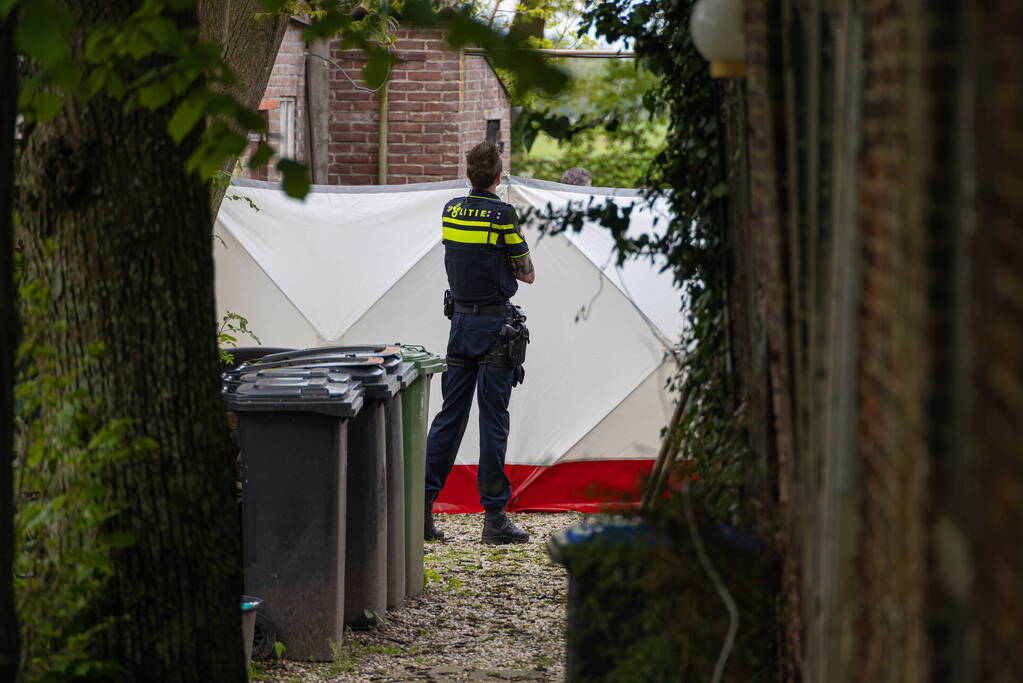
[485, 255]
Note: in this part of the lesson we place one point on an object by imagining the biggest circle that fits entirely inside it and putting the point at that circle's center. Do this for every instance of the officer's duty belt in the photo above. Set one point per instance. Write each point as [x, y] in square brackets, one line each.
[494, 309]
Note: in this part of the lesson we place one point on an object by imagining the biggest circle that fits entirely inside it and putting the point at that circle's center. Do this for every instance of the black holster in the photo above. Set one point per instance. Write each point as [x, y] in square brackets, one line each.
[509, 351]
[449, 304]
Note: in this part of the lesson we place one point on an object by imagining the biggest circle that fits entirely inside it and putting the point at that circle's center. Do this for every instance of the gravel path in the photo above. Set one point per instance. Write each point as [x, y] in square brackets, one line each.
[488, 613]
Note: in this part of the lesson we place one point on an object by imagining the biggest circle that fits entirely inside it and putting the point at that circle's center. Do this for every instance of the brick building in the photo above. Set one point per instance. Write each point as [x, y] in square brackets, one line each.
[438, 103]
[876, 196]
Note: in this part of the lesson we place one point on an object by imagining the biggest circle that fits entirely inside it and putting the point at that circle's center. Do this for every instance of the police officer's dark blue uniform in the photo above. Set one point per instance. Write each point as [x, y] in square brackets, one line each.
[481, 241]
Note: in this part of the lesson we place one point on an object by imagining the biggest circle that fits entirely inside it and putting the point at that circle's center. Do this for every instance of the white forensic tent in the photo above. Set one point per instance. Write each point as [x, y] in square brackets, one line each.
[364, 264]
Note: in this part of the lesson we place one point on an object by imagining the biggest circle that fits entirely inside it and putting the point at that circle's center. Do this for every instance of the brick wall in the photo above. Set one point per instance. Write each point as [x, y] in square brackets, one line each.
[929, 191]
[287, 83]
[438, 103]
[483, 98]
[995, 336]
[893, 356]
[920, 474]
[434, 110]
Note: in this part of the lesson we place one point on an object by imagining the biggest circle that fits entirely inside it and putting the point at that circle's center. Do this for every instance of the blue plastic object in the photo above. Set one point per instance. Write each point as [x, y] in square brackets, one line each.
[615, 531]
[250, 603]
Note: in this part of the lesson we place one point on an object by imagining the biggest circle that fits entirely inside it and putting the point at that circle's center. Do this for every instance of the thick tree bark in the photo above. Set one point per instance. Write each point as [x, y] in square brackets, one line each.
[134, 269]
[250, 38]
[8, 103]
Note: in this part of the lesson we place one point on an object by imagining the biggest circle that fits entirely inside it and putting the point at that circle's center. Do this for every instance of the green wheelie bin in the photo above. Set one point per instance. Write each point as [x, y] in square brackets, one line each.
[415, 411]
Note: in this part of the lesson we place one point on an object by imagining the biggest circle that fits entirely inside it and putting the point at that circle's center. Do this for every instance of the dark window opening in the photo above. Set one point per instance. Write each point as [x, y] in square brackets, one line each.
[494, 133]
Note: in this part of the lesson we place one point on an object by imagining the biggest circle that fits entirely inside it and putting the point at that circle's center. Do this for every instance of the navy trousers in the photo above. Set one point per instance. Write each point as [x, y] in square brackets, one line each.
[472, 336]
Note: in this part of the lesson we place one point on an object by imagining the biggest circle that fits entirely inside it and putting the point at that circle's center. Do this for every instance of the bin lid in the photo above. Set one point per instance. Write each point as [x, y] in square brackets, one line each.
[376, 382]
[407, 374]
[428, 363]
[389, 363]
[336, 363]
[381, 350]
[338, 395]
[389, 355]
[336, 373]
[284, 375]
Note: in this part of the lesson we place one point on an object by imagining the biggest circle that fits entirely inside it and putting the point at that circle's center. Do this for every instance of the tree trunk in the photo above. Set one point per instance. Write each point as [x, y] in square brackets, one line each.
[133, 268]
[250, 38]
[8, 104]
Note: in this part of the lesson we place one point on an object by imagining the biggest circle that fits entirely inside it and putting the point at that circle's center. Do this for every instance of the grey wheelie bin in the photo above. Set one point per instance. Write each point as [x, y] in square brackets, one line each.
[406, 372]
[415, 409]
[294, 436]
[366, 533]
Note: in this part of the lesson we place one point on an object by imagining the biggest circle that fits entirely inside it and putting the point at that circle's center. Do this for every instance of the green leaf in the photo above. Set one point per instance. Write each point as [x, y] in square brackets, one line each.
[154, 95]
[42, 30]
[187, 115]
[219, 143]
[46, 105]
[136, 44]
[144, 443]
[115, 85]
[295, 178]
[377, 68]
[250, 120]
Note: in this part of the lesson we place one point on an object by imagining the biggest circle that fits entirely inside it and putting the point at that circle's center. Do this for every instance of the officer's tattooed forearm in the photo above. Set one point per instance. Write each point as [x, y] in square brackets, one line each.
[523, 269]
[523, 265]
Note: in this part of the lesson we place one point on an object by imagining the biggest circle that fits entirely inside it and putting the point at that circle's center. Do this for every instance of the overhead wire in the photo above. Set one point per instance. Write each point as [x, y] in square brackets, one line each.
[568, 54]
[345, 73]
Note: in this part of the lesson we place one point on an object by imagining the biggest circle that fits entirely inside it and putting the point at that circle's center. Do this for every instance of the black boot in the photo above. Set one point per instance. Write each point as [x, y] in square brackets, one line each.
[430, 532]
[498, 529]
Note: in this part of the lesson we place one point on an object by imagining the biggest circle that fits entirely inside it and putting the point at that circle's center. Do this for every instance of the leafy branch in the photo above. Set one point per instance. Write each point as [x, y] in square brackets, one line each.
[155, 60]
[231, 327]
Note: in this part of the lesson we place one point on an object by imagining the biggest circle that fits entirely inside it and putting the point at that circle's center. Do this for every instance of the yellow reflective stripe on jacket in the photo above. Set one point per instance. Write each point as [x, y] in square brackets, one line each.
[482, 224]
[478, 236]
[520, 255]
[470, 236]
[460, 221]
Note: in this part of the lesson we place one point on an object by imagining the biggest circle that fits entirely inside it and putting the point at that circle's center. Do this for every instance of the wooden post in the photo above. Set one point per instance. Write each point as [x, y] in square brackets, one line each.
[317, 93]
[382, 163]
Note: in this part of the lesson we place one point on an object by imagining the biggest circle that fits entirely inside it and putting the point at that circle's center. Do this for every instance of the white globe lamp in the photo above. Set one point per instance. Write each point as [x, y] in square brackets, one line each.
[716, 28]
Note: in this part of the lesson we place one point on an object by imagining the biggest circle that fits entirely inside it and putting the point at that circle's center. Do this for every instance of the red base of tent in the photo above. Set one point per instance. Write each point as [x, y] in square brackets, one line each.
[591, 486]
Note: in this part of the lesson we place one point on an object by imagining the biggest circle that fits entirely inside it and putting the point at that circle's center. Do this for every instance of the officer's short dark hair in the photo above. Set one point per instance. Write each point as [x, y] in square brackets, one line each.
[482, 164]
